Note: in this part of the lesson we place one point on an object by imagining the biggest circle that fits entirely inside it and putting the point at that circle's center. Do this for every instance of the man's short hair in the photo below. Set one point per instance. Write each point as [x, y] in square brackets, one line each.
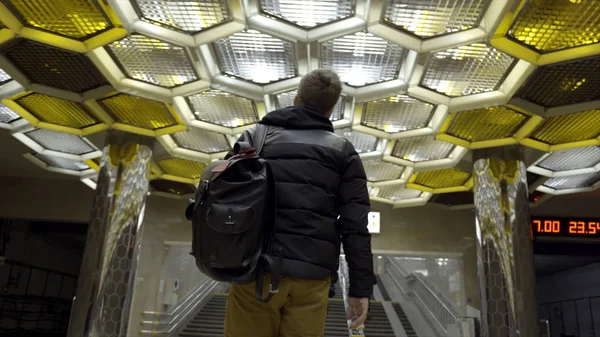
[320, 89]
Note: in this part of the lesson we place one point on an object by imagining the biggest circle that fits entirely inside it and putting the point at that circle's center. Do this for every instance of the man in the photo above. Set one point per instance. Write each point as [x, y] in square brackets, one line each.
[318, 177]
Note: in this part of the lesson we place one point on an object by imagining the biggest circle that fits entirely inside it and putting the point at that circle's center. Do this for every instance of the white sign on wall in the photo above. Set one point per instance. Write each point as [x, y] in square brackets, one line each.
[374, 222]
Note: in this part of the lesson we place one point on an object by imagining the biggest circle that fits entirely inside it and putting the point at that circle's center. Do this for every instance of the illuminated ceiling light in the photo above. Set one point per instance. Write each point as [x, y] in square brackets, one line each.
[257, 57]
[466, 70]
[441, 181]
[362, 58]
[138, 112]
[183, 15]
[551, 25]
[569, 128]
[422, 148]
[286, 99]
[202, 140]
[363, 143]
[565, 83]
[7, 115]
[62, 163]
[76, 19]
[222, 108]
[486, 123]
[377, 170]
[573, 182]
[572, 159]
[53, 67]
[428, 18]
[153, 61]
[181, 168]
[60, 142]
[396, 114]
[4, 77]
[397, 192]
[57, 111]
[172, 187]
[308, 13]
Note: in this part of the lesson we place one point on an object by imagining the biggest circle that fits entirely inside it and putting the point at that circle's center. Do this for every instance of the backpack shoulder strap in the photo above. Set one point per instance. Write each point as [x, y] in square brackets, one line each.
[259, 137]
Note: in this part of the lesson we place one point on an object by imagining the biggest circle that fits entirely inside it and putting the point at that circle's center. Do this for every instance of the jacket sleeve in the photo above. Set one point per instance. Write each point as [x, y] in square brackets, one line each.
[353, 207]
[246, 136]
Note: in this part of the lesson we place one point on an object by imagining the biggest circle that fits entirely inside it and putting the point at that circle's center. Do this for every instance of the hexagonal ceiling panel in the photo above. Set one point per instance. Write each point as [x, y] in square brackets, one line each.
[551, 25]
[566, 130]
[564, 83]
[202, 141]
[195, 54]
[377, 171]
[308, 13]
[184, 15]
[222, 108]
[53, 67]
[362, 58]
[363, 143]
[256, 57]
[153, 61]
[486, 124]
[77, 19]
[422, 148]
[466, 70]
[428, 18]
[54, 111]
[397, 114]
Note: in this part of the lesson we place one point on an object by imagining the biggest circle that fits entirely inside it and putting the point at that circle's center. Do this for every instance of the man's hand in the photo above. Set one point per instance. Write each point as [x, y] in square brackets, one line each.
[357, 311]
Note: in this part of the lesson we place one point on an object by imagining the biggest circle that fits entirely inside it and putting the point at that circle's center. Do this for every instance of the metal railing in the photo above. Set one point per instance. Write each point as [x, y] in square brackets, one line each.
[435, 306]
[344, 282]
[170, 323]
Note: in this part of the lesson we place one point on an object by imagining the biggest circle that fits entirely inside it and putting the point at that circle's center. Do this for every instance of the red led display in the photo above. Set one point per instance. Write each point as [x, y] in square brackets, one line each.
[565, 227]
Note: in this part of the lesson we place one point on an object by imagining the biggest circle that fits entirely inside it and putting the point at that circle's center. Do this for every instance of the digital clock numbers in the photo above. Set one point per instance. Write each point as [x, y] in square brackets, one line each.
[565, 227]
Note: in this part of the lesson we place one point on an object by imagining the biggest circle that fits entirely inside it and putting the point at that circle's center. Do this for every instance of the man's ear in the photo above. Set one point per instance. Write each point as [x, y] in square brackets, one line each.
[296, 100]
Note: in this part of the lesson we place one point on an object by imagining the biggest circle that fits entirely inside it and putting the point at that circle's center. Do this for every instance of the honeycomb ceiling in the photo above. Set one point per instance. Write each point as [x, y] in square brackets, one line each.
[425, 82]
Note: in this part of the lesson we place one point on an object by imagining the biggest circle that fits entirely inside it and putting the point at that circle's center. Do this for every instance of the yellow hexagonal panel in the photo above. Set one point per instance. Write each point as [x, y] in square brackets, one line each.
[548, 31]
[53, 113]
[78, 25]
[142, 116]
[487, 127]
[441, 181]
[566, 132]
[181, 170]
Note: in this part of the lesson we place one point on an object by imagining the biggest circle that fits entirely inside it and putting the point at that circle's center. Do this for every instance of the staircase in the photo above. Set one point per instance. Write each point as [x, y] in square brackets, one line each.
[406, 325]
[210, 321]
[408, 328]
[377, 324]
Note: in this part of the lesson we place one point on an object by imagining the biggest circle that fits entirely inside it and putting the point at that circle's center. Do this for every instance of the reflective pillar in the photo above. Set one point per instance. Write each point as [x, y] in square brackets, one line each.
[105, 285]
[505, 250]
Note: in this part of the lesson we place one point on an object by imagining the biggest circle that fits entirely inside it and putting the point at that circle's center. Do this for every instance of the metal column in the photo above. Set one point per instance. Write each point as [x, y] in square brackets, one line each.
[105, 286]
[505, 251]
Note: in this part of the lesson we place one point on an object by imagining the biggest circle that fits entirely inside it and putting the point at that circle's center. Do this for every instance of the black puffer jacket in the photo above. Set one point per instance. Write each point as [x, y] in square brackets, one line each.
[319, 176]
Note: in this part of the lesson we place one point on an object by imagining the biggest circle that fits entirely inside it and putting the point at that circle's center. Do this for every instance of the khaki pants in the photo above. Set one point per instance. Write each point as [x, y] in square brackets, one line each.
[298, 310]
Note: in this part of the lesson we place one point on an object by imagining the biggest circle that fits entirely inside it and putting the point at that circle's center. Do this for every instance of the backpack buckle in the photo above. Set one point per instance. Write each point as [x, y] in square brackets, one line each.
[273, 289]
